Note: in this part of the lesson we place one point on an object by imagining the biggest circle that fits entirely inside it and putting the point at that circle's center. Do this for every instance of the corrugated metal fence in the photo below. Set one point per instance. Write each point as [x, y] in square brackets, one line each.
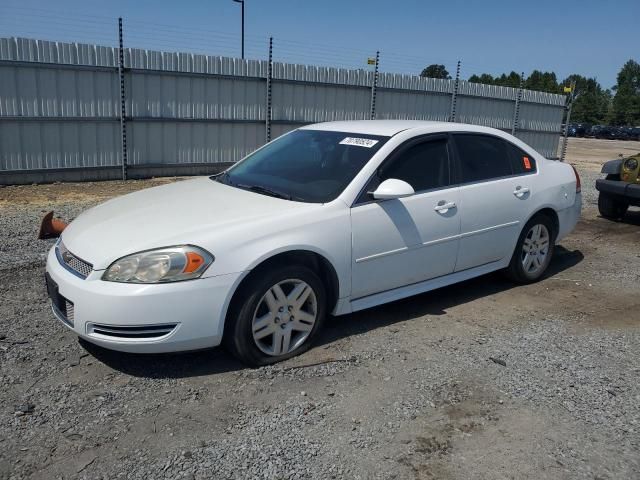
[186, 113]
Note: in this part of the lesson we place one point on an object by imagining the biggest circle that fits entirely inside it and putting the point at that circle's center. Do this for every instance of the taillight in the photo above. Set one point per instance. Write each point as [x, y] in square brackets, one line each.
[578, 184]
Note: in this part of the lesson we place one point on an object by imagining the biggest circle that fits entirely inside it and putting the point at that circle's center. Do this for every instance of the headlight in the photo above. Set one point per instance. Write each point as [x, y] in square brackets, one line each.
[170, 264]
[631, 164]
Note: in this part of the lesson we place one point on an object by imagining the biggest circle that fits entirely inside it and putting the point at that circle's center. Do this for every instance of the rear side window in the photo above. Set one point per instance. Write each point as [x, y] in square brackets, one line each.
[424, 166]
[521, 162]
[482, 157]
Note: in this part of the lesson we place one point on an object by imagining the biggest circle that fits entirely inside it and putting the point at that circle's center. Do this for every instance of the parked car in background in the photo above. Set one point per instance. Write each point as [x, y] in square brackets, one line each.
[330, 218]
[632, 133]
[594, 131]
[613, 133]
[626, 133]
[620, 188]
[621, 133]
[607, 133]
[578, 129]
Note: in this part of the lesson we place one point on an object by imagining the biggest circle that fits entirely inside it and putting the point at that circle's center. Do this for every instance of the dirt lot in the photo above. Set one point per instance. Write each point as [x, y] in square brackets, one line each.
[405, 391]
[589, 153]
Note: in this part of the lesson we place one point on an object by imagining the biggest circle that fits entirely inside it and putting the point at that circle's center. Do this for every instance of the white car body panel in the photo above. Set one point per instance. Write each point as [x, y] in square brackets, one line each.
[191, 305]
[407, 239]
[422, 287]
[381, 250]
[492, 217]
[173, 214]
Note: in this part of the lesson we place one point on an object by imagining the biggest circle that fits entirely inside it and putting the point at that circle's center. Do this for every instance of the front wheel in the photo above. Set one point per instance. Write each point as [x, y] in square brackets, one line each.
[610, 208]
[534, 250]
[276, 315]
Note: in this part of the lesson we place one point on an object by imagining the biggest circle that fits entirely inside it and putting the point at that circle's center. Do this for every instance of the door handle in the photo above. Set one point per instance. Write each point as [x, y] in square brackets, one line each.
[443, 207]
[521, 191]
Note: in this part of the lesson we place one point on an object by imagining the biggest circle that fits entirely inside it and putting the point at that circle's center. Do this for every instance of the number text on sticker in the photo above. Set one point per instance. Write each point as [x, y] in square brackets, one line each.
[359, 142]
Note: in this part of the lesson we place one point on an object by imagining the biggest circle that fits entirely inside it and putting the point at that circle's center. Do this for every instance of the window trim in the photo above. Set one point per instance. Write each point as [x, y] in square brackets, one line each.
[363, 199]
[457, 163]
[530, 172]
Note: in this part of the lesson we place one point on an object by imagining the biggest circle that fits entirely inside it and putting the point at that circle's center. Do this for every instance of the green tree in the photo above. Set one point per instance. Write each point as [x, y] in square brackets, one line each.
[485, 78]
[435, 71]
[511, 80]
[542, 82]
[591, 101]
[626, 102]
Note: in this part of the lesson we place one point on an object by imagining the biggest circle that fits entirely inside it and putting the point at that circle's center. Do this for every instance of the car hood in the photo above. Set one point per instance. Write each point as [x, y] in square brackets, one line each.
[179, 213]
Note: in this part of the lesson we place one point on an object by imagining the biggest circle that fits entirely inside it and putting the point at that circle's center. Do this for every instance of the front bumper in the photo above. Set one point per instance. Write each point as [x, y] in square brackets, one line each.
[138, 318]
[625, 192]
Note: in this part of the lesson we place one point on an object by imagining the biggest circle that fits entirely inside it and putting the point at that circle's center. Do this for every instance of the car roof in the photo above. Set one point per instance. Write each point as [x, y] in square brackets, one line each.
[389, 128]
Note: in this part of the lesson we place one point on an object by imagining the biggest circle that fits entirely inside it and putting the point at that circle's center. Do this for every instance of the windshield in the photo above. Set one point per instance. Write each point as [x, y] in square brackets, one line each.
[305, 165]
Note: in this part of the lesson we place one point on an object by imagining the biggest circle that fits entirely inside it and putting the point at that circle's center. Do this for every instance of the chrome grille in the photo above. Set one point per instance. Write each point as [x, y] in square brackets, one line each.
[138, 332]
[72, 263]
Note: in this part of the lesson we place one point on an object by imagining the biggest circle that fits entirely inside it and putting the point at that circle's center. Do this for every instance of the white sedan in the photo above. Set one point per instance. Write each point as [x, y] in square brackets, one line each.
[328, 219]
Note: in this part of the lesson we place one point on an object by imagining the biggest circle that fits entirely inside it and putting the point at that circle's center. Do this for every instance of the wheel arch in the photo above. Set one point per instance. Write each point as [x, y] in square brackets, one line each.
[550, 213]
[298, 256]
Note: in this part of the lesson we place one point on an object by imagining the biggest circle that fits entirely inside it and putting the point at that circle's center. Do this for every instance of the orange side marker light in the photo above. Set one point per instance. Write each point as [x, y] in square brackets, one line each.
[194, 262]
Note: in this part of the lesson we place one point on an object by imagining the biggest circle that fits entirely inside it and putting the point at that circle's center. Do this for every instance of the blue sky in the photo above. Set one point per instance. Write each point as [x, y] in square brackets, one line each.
[593, 38]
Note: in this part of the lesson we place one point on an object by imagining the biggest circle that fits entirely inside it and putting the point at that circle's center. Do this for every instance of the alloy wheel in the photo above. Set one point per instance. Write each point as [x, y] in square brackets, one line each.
[535, 249]
[285, 317]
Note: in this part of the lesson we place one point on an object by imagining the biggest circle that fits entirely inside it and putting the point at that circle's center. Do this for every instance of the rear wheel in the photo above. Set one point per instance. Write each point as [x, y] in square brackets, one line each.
[534, 250]
[276, 315]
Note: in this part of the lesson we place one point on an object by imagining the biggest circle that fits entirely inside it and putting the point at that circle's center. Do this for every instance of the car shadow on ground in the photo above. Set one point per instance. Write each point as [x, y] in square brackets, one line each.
[217, 360]
[166, 365]
[435, 302]
[632, 217]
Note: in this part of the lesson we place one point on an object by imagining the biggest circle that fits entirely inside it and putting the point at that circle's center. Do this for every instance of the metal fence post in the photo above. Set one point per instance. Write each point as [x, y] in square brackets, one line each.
[269, 78]
[566, 123]
[374, 87]
[454, 95]
[123, 126]
[516, 109]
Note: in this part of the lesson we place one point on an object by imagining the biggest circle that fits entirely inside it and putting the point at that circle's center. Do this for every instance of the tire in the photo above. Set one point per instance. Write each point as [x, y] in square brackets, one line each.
[261, 310]
[538, 234]
[610, 208]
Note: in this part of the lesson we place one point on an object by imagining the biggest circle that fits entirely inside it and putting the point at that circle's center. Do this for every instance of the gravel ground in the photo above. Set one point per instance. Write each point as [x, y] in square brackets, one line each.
[475, 381]
[23, 207]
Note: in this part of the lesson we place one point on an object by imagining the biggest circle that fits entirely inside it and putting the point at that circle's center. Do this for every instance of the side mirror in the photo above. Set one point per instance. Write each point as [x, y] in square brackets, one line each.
[393, 188]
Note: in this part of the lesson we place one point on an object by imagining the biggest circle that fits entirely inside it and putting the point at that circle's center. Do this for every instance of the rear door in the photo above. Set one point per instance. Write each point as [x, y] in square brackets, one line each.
[496, 186]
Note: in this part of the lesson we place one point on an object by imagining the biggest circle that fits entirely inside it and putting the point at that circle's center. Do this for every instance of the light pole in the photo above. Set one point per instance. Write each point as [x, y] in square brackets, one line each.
[242, 3]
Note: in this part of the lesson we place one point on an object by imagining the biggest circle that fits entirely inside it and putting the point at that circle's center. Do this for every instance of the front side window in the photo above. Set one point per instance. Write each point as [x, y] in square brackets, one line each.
[305, 165]
[482, 157]
[424, 166]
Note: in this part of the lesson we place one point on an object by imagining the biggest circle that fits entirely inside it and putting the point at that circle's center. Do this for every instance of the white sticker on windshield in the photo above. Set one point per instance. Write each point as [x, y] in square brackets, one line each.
[359, 142]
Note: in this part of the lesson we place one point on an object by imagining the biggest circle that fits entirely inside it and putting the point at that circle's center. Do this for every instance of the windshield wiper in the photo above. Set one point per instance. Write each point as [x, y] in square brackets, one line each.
[222, 177]
[265, 191]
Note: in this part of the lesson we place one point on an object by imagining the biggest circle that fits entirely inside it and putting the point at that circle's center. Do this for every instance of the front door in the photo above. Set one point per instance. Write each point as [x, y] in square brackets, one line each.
[403, 241]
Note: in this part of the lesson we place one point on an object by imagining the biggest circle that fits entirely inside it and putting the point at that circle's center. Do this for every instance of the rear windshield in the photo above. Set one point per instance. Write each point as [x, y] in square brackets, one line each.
[305, 165]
